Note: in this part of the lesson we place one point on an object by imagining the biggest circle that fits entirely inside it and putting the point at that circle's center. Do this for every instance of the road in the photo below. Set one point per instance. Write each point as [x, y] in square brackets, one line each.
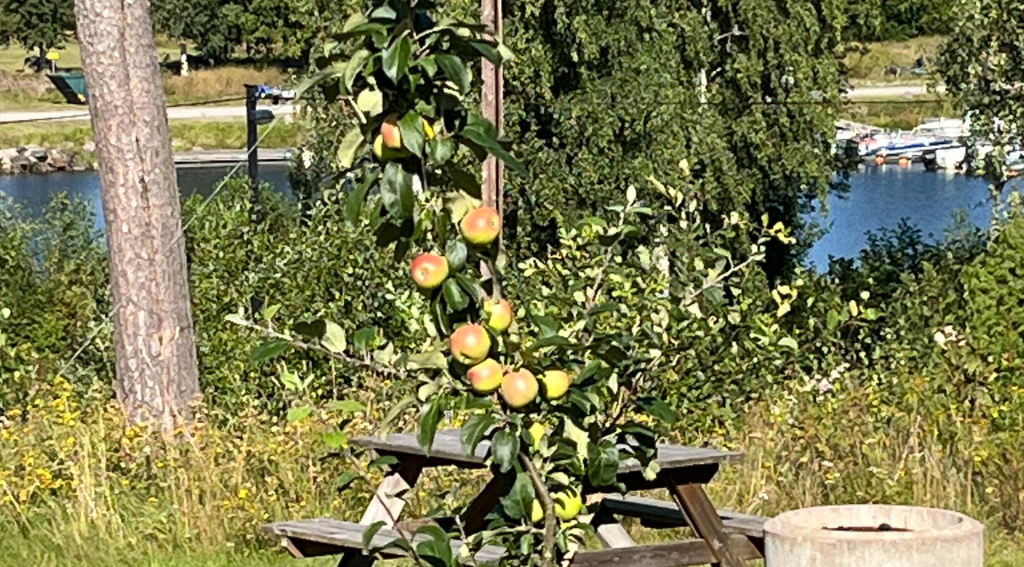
[889, 92]
[222, 112]
[174, 113]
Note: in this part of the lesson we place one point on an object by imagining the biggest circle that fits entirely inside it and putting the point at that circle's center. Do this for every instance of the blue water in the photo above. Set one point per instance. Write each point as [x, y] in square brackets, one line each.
[879, 197]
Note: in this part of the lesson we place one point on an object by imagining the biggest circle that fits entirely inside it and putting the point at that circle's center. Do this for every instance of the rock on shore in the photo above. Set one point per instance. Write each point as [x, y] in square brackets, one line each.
[37, 159]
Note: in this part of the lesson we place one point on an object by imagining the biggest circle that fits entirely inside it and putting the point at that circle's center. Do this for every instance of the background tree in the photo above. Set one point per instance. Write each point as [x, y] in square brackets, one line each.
[606, 93]
[36, 25]
[199, 22]
[983, 70]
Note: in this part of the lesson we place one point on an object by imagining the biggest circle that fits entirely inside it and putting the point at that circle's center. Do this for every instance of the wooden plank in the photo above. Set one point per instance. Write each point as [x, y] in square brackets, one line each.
[447, 450]
[342, 537]
[662, 514]
[677, 554]
[610, 531]
[475, 516]
[704, 519]
[389, 500]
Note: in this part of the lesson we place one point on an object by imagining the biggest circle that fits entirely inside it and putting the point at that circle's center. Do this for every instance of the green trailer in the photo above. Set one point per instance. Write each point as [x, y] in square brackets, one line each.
[72, 86]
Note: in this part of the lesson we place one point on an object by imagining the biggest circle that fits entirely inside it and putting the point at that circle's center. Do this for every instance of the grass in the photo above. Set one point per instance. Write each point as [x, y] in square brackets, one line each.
[899, 114]
[20, 90]
[185, 136]
[867, 66]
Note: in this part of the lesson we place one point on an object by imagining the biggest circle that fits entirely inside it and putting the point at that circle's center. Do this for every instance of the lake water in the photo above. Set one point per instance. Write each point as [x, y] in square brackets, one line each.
[879, 197]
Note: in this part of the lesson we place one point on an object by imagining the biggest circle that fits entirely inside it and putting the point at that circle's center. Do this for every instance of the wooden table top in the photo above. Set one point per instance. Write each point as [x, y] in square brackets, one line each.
[447, 450]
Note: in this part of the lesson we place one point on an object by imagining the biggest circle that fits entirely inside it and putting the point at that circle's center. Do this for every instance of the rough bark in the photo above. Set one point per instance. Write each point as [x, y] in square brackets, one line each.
[157, 375]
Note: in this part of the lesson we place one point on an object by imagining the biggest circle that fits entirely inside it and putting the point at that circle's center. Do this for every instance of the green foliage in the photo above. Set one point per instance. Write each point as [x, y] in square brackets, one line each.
[887, 20]
[993, 291]
[36, 25]
[983, 71]
[603, 94]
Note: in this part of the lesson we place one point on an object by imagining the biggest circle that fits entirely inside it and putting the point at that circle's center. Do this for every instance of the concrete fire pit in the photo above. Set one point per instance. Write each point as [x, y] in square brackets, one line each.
[873, 536]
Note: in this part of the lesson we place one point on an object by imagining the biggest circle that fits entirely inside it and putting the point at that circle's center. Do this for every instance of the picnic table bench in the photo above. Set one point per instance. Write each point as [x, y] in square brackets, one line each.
[723, 538]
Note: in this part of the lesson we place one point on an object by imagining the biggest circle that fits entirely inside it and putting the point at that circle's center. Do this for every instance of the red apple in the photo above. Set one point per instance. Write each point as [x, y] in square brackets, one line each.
[391, 134]
[499, 314]
[520, 388]
[470, 344]
[556, 384]
[486, 376]
[481, 226]
[429, 270]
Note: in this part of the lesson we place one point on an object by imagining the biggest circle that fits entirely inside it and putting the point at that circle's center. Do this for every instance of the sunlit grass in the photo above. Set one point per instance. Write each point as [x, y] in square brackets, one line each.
[185, 136]
[868, 67]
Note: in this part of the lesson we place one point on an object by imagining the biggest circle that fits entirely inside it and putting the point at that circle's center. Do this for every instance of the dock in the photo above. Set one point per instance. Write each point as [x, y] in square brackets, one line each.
[230, 157]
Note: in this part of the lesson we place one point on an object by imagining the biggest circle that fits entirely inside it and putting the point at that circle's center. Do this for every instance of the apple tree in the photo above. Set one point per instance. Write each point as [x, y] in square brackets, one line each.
[561, 398]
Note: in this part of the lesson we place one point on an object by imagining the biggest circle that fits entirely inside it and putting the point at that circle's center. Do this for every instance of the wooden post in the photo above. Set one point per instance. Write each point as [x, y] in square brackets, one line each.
[492, 106]
[154, 341]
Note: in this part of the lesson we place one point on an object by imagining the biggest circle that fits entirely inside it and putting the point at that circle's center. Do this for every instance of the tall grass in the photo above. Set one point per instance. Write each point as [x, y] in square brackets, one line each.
[868, 64]
[75, 479]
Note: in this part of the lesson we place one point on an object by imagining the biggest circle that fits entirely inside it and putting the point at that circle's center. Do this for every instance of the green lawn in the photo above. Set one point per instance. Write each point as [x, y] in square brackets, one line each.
[186, 135]
[867, 68]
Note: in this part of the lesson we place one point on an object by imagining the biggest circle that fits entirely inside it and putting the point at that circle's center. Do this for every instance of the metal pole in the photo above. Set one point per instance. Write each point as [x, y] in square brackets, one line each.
[252, 151]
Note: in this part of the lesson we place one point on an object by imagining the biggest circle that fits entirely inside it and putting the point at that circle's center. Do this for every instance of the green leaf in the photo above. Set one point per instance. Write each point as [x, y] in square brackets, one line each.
[549, 341]
[473, 431]
[454, 69]
[456, 254]
[370, 532]
[607, 307]
[411, 126]
[429, 65]
[396, 58]
[546, 325]
[354, 66]
[488, 50]
[430, 416]
[365, 28]
[355, 200]
[659, 409]
[382, 462]
[470, 285]
[505, 449]
[345, 480]
[440, 151]
[396, 191]
[345, 406]
[789, 342]
[519, 502]
[335, 439]
[269, 349]
[602, 465]
[399, 408]
[298, 413]
[441, 222]
[350, 147]
[334, 338]
[370, 101]
[363, 338]
[437, 548]
[481, 132]
[431, 359]
[453, 295]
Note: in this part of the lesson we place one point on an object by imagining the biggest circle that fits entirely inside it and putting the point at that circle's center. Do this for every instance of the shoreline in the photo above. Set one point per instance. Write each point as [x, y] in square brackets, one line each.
[39, 160]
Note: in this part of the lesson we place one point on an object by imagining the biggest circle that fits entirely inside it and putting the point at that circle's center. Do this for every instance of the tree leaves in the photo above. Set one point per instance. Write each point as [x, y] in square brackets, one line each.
[481, 132]
[430, 416]
[350, 147]
[602, 464]
[396, 191]
[519, 501]
[411, 126]
[454, 69]
[269, 349]
[505, 449]
[396, 58]
[473, 431]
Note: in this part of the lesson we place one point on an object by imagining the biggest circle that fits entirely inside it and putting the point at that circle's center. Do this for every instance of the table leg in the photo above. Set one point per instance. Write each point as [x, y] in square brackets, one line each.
[704, 519]
[386, 506]
[474, 518]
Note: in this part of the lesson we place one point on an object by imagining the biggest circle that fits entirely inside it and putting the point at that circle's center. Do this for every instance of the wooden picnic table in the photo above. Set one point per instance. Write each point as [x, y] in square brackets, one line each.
[722, 538]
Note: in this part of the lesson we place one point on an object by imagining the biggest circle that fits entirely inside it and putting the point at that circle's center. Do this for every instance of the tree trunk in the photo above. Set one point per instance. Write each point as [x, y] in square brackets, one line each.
[157, 375]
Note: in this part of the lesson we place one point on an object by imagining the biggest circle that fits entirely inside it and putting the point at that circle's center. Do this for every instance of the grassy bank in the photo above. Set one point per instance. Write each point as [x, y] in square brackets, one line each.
[867, 62]
[903, 114]
[20, 90]
[186, 136]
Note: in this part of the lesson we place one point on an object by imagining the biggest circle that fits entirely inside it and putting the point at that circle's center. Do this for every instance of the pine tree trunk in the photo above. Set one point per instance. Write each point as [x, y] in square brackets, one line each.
[157, 375]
